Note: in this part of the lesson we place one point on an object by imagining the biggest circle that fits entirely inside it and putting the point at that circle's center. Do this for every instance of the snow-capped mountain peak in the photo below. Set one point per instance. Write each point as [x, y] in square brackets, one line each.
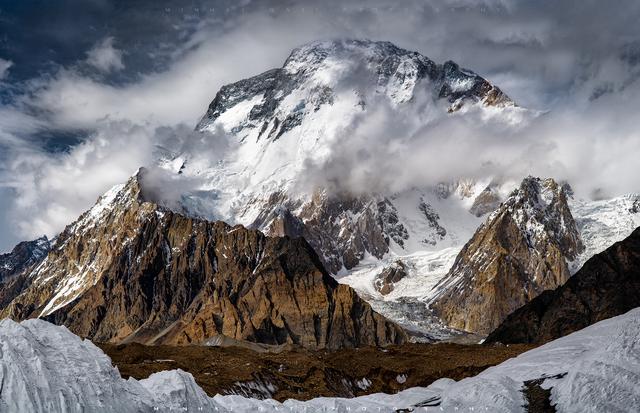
[77, 257]
[285, 123]
[282, 120]
[317, 73]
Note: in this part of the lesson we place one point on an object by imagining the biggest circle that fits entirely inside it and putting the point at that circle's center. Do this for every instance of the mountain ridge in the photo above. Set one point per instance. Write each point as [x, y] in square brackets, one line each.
[146, 274]
[521, 250]
[453, 82]
[319, 91]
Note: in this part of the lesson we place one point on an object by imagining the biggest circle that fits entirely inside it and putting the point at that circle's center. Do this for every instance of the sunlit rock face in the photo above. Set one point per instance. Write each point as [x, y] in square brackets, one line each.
[521, 250]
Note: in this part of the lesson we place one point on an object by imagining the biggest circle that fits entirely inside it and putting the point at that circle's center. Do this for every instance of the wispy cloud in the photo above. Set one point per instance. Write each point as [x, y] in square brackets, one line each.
[5, 65]
[105, 57]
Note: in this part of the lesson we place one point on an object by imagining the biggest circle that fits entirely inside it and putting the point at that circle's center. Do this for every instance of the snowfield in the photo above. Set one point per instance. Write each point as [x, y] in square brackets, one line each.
[45, 368]
[406, 305]
[603, 223]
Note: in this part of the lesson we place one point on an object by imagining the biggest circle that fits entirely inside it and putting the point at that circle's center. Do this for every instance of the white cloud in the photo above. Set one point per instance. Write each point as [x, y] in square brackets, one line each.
[104, 57]
[390, 150]
[51, 190]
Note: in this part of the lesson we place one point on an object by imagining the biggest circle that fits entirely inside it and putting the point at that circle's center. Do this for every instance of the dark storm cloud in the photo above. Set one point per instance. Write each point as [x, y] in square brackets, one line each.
[82, 79]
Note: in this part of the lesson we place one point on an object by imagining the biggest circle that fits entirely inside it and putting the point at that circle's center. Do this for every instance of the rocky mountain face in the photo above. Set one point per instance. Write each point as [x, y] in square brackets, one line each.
[23, 256]
[487, 201]
[606, 286]
[342, 229]
[15, 265]
[521, 250]
[131, 271]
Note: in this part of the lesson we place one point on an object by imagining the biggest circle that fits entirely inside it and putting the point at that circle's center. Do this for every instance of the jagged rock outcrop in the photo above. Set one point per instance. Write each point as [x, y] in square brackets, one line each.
[606, 286]
[487, 201]
[433, 219]
[131, 271]
[385, 281]
[341, 228]
[521, 250]
[23, 256]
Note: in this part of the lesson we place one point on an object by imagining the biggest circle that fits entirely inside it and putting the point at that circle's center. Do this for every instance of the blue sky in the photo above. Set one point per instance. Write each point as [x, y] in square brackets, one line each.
[85, 85]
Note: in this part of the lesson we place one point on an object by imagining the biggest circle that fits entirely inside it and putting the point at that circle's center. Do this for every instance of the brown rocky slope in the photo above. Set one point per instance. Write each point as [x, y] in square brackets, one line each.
[131, 271]
[521, 250]
[606, 286]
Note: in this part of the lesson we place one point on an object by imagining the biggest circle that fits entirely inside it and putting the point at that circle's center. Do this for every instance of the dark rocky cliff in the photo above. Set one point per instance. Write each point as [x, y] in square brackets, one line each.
[606, 286]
